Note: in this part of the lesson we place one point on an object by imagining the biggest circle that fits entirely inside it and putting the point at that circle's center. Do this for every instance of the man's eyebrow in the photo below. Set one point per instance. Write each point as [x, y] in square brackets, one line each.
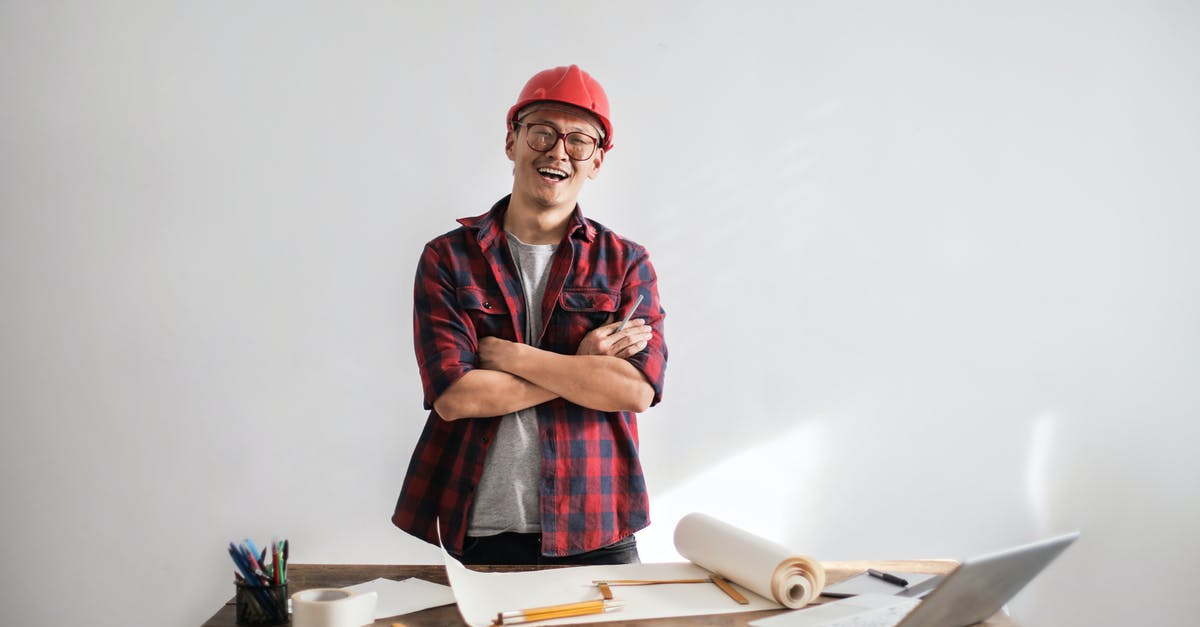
[583, 127]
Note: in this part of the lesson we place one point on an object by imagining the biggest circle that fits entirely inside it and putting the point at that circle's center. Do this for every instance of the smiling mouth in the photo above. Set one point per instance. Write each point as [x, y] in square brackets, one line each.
[552, 174]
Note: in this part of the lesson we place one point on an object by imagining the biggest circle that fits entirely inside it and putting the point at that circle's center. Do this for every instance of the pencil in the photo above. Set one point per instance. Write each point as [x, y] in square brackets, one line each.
[556, 611]
[630, 314]
[648, 582]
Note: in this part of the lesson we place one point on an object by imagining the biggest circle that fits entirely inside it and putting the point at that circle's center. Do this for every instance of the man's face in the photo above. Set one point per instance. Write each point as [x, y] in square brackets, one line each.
[551, 179]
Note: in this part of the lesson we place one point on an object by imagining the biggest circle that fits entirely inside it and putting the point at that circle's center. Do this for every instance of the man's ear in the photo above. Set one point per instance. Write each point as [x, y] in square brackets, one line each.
[510, 140]
[597, 161]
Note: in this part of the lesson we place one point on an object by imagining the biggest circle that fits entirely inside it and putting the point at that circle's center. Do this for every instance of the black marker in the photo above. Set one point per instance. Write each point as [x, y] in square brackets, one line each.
[892, 579]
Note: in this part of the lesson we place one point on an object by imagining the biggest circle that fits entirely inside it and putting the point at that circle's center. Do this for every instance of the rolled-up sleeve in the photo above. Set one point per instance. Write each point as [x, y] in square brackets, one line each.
[652, 360]
[444, 335]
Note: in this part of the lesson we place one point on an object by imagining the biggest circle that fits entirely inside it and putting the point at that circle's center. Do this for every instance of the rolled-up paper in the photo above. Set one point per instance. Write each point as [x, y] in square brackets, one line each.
[333, 607]
[755, 563]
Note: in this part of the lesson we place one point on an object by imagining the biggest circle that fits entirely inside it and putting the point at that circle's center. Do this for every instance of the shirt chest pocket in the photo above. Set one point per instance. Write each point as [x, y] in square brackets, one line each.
[487, 310]
[579, 311]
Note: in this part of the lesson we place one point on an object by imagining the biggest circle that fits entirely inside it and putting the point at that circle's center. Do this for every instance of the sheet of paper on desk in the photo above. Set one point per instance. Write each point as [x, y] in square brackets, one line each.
[863, 610]
[481, 595]
[865, 584]
[754, 566]
[403, 597]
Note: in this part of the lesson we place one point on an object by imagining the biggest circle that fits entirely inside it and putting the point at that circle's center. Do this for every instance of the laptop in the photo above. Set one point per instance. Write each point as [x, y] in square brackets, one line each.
[973, 592]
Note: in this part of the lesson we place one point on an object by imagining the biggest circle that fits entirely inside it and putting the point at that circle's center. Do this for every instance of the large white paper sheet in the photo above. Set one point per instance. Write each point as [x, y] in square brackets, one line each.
[481, 595]
[864, 610]
[403, 597]
[767, 574]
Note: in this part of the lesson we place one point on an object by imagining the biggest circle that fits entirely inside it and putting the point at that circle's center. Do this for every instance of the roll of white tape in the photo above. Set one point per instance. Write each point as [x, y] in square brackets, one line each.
[333, 607]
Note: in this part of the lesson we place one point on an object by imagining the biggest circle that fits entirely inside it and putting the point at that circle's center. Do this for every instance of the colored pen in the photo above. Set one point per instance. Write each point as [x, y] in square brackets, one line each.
[239, 560]
[253, 561]
[275, 563]
[888, 577]
[253, 549]
[630, 314]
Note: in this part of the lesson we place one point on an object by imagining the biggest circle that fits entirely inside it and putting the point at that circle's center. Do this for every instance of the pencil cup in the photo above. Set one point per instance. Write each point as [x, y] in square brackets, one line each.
[261, 605]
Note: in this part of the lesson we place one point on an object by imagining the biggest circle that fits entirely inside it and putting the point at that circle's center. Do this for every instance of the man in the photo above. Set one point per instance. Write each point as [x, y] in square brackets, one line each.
[530, 455]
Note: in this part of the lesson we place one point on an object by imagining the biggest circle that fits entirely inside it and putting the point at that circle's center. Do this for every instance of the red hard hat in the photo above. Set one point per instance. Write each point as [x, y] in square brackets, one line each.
[569, 85]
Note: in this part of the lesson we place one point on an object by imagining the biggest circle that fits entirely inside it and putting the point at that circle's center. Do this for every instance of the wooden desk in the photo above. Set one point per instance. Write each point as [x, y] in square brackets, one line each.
[305, 576]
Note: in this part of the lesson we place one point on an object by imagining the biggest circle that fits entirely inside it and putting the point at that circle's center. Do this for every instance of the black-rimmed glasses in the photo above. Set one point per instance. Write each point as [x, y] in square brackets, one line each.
[543, 137]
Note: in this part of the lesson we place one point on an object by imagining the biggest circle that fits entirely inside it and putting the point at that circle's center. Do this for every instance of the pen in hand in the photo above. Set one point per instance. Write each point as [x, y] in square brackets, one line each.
[888, 577]
[629, 315]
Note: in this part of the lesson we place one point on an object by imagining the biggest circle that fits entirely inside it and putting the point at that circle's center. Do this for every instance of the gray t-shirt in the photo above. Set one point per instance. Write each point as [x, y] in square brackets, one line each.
[508, 497]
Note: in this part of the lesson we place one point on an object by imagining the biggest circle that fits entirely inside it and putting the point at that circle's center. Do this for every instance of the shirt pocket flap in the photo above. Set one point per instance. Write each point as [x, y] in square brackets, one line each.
[589, 300]
[478, 299]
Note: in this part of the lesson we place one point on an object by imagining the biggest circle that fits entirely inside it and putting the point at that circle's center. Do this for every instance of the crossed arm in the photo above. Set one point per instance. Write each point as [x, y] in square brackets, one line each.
[512, 376]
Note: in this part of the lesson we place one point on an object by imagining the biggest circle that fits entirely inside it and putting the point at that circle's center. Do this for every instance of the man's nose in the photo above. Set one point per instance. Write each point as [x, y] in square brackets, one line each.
[559, 148]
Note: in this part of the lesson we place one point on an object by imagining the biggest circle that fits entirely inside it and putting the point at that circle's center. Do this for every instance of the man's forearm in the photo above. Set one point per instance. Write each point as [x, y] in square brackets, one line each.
[600, 382]
[511, 376]
[484, 393]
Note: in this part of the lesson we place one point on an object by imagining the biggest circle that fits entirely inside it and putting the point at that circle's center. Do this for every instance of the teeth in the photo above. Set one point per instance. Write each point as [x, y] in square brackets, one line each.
[553, 172]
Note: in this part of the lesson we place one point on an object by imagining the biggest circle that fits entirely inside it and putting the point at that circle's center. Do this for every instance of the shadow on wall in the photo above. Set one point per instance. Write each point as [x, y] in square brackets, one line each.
[855, 487]
[765, 488]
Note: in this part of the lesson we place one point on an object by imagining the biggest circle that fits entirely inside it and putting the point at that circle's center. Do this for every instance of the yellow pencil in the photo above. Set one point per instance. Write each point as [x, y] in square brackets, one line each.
[648, 582]
[556, 611]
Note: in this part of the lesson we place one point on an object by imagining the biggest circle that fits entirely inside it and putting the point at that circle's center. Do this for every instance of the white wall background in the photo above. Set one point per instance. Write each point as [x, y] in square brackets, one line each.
[931, 274]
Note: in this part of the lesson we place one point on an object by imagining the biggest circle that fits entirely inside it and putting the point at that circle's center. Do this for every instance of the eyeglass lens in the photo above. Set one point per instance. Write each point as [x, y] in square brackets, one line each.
[542, 137]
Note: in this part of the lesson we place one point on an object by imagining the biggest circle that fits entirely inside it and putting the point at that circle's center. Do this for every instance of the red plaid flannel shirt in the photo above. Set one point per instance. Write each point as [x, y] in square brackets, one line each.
[593, 492]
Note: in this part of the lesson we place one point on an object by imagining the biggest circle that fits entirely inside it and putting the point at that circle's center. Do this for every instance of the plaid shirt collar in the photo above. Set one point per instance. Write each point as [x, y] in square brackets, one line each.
[490, 225]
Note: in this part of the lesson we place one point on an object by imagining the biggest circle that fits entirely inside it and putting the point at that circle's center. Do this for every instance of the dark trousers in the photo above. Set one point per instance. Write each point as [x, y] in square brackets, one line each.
[526, 549]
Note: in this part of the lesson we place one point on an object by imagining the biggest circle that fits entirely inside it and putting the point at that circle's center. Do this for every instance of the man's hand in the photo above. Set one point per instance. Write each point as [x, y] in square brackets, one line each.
[606, 340]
